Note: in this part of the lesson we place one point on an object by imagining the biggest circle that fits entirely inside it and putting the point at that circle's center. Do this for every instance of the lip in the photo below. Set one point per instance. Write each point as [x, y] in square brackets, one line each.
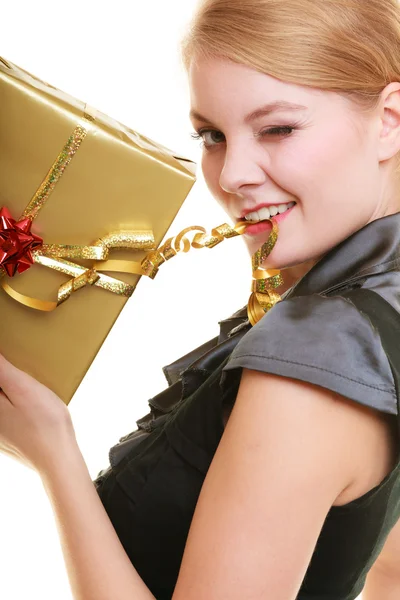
[265, 225]
[262, 205]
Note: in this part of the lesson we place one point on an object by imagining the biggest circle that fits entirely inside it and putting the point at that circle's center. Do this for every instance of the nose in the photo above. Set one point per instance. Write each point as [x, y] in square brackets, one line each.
[241, 168]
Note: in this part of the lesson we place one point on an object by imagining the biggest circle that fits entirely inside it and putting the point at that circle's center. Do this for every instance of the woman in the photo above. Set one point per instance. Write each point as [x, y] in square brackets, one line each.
[292, 494]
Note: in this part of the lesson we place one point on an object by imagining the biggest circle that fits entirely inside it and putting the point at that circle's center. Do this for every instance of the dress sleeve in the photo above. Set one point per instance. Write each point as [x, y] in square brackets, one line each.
[323, 340]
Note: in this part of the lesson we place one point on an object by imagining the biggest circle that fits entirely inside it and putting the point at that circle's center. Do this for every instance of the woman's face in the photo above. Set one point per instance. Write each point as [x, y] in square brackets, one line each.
[325, 159]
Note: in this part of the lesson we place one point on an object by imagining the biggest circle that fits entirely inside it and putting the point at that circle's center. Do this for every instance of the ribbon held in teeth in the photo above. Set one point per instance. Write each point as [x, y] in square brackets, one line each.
[264, 296]
[264, 284]
[52, 256]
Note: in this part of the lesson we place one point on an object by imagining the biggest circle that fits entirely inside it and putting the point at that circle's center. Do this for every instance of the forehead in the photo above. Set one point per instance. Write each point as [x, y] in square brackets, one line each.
[217, 85]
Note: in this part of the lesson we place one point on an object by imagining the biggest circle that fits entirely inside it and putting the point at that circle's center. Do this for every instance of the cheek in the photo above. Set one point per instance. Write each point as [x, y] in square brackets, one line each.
[317, 167]
[212, 171]
[341, 177]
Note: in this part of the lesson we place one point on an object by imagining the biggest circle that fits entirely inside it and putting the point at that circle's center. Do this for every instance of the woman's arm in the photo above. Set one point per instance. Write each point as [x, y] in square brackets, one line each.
[278, 469]
[288, 451]
[97, 565]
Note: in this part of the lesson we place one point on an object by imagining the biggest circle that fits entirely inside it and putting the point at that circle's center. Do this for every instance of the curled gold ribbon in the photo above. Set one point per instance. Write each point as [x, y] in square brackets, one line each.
[263, 296]
[262, 299]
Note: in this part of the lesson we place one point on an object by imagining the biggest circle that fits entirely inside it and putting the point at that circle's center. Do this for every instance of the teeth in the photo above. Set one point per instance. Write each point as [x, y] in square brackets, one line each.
[253, 217]
[273, 210]
[266, 213]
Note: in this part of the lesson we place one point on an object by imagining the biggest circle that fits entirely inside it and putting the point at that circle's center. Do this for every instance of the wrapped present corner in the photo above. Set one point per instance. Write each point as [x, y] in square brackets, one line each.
[83, 200]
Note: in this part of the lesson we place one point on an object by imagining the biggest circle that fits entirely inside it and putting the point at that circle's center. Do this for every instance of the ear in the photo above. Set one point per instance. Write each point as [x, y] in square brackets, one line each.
[389, 114]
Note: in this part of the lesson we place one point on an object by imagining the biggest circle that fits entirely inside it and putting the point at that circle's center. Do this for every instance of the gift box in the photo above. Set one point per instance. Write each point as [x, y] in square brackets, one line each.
[84, 200]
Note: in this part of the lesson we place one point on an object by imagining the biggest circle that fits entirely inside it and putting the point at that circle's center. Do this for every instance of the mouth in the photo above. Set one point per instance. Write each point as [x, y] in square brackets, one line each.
[261, 222]
[266, 212]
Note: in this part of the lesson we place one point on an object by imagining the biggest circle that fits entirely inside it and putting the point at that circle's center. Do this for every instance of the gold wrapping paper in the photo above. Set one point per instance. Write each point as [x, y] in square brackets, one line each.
[118, 180]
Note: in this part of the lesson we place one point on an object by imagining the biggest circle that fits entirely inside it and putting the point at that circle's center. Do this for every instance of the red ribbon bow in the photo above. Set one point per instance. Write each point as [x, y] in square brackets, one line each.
[16, 243]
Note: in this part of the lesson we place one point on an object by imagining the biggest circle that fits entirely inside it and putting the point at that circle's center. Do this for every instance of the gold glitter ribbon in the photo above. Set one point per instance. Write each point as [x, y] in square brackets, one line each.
[53, 256]
[263, 296]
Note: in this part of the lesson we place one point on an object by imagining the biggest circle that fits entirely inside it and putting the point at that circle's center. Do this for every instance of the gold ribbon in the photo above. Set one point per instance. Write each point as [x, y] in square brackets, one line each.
[53, 256]
[263, 296]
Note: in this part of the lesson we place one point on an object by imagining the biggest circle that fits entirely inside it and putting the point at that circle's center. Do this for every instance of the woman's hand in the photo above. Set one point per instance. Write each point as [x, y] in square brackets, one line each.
[34, 422]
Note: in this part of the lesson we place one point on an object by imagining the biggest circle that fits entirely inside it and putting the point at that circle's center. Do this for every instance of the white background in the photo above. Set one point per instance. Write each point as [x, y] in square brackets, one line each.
[122, 58]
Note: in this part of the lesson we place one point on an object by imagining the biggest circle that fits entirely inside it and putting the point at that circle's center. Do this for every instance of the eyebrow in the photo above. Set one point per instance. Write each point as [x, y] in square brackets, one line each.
[263, 111]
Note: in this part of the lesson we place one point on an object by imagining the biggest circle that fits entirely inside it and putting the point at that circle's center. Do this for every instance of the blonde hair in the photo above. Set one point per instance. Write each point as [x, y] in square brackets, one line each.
[351, 47]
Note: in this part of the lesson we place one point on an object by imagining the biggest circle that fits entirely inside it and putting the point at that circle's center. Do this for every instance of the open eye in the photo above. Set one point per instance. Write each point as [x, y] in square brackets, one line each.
[210, 137]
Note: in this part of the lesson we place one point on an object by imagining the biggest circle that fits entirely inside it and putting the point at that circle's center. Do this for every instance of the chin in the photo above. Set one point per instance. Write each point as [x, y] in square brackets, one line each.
[267, 266]
[303, 263]
[281, 263]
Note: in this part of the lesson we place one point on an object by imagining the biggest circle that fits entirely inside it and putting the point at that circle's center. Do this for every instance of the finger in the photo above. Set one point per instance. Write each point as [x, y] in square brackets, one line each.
[9, 376]
[4, 400]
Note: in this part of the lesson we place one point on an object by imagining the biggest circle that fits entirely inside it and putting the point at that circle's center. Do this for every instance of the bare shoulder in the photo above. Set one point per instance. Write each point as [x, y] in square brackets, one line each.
[369, 438]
